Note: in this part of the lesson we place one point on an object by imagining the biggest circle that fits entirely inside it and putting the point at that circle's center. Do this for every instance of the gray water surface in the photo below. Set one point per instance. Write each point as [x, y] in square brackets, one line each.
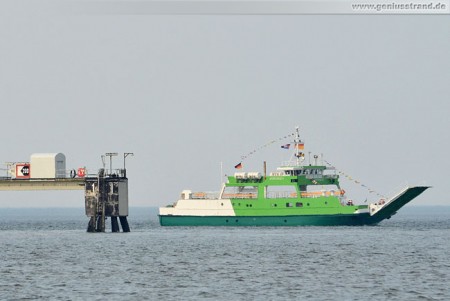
[47, 254]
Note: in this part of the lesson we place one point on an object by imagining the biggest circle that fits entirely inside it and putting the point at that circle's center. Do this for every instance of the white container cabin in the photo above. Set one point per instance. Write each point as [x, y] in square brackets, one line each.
[48, 166]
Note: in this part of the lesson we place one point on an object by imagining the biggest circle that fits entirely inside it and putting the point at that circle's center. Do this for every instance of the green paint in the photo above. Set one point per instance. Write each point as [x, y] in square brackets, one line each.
[288, 198]
[291, 210]
[289, 205]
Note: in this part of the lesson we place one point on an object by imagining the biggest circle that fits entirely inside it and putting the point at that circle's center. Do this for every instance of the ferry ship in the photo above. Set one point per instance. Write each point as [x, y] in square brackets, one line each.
[297, 194]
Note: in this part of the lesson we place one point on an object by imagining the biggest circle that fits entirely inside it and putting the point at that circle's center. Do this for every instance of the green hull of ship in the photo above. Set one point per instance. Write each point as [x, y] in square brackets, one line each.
[294, 195]
[340, 219]
[269, 221]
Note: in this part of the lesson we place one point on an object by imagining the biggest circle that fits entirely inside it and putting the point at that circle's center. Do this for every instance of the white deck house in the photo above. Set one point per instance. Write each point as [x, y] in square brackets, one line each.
[48, 166]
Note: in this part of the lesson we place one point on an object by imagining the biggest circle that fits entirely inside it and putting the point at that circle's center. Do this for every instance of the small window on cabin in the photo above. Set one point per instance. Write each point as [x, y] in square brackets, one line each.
[289, 205]
[298, 204]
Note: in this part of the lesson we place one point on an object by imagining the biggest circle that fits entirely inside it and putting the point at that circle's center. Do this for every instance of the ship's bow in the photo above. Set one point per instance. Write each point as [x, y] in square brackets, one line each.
[385, 210]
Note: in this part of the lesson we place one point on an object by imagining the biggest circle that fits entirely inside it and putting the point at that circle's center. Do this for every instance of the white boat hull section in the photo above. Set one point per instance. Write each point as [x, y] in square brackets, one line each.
[200, 207]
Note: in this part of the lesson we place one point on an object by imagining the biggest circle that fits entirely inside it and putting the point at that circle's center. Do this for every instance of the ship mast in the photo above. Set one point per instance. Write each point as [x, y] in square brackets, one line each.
[298, 146]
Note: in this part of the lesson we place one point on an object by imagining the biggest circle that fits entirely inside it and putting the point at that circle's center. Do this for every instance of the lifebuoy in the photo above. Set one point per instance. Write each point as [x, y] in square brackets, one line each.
[81, 172]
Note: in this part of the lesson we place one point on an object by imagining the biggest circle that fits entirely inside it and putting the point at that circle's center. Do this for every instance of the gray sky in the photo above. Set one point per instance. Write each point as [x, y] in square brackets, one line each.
[185, 93]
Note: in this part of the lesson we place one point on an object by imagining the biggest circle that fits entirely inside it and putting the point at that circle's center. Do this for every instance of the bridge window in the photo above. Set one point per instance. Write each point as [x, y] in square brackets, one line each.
[240, 192]
[281, 192]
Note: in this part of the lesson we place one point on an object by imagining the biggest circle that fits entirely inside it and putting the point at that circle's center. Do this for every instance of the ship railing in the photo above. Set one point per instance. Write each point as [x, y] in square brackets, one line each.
[205, 195]
[326, 193]
[312, 194]
[239, 196]
[281, 195]
[277, 173]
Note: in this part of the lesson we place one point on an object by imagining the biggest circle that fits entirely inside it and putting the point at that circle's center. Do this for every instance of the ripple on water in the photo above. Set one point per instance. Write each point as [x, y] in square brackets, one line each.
[404, 259]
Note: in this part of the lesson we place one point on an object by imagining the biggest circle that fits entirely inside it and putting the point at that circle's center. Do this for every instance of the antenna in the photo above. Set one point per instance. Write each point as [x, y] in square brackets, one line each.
[125, 155]
[110, 155]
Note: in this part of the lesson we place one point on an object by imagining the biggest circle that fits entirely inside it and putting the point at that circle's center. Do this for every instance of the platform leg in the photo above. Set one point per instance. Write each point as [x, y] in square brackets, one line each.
[100, 224]
[124, 223]
[91, 224]
[114, 224]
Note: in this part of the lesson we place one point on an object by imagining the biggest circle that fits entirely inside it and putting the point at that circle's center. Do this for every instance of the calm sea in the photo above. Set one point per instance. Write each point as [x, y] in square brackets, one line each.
[46, 254]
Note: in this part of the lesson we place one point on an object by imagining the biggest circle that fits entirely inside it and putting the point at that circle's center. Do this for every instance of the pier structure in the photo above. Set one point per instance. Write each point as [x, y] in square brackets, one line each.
[105, 193]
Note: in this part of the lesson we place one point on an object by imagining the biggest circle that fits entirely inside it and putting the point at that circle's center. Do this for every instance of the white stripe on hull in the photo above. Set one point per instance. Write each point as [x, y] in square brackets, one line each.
[200, 207]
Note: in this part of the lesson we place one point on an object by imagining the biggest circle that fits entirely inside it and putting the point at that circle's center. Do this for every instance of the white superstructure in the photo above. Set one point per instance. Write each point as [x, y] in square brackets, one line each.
[48, 166]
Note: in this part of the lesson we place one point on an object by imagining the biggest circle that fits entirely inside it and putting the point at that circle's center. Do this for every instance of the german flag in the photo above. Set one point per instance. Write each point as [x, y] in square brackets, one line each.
[300, 145]
[238, 166]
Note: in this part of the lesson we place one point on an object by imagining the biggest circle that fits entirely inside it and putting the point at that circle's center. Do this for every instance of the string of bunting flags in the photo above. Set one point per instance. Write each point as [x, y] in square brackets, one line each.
[300, 145]
[355, 181]
[244, 157]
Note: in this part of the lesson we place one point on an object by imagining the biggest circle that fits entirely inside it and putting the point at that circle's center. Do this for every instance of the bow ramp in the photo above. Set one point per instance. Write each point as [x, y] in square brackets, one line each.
[381, 211]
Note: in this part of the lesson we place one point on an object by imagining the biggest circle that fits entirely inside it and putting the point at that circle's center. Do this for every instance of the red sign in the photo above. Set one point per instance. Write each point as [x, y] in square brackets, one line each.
[81, 172]
[22, 171]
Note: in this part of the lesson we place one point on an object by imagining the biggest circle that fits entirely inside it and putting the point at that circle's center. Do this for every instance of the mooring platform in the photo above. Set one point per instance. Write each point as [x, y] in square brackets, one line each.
[105, 193]
[8, 184]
